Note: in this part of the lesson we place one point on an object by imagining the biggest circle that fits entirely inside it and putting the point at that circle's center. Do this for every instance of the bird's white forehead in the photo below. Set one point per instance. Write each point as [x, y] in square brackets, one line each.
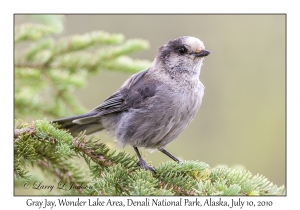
[194, 43]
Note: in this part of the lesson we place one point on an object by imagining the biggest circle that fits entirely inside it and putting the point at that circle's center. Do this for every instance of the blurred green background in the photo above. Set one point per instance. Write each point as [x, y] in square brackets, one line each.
[242, 117]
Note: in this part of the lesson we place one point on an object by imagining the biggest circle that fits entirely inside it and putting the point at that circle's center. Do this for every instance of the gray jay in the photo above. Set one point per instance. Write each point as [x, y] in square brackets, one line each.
[153, 106]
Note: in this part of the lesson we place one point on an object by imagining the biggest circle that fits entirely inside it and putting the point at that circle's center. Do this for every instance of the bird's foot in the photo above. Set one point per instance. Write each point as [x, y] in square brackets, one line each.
[145, 166]
[180, 162]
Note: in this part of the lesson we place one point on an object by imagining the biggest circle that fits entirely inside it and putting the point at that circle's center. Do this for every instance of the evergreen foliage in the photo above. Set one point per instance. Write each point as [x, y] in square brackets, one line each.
[46, 73]
[44, 145]
[50, 68]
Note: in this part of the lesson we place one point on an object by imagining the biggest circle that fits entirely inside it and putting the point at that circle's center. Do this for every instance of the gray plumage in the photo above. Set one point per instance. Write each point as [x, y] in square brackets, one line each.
[153, 106]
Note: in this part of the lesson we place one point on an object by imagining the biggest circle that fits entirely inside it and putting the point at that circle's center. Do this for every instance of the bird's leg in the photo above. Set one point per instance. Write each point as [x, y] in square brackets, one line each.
[170, 155]
[142, 163]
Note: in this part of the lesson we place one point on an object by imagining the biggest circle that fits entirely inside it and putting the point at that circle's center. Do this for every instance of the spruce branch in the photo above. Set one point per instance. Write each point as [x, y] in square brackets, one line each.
[31, 32]
[55, 21]
[45, 145]
[86, 41]
[50, 69]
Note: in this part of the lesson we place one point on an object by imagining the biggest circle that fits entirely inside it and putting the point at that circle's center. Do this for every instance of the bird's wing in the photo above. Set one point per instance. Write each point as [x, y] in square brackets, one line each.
[130, 95]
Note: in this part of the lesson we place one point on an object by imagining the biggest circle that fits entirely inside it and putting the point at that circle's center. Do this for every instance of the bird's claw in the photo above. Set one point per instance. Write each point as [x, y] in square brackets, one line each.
[145, 166]
[180, 162]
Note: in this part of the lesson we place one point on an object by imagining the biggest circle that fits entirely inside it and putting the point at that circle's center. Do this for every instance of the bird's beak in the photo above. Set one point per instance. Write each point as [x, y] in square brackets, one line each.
[202, 53]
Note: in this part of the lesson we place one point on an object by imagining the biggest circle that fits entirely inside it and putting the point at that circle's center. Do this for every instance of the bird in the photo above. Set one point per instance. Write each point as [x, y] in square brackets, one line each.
[153, 106]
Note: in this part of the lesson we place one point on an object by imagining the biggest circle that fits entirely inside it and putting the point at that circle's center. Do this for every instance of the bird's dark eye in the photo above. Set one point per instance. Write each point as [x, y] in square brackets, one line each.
[182, 50]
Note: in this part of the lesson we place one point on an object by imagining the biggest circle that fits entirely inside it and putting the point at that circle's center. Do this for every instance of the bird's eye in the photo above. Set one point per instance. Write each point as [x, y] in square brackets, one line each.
[182, 50]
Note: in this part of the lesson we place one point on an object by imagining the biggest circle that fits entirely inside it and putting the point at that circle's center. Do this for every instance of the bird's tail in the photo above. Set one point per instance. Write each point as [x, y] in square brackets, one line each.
[90, 126]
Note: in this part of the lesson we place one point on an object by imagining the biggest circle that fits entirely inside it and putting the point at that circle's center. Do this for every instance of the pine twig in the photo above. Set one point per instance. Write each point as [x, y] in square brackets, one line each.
[117, 173]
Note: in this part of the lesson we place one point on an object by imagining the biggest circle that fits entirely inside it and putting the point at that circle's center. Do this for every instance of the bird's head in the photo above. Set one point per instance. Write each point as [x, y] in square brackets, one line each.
[182, 55]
